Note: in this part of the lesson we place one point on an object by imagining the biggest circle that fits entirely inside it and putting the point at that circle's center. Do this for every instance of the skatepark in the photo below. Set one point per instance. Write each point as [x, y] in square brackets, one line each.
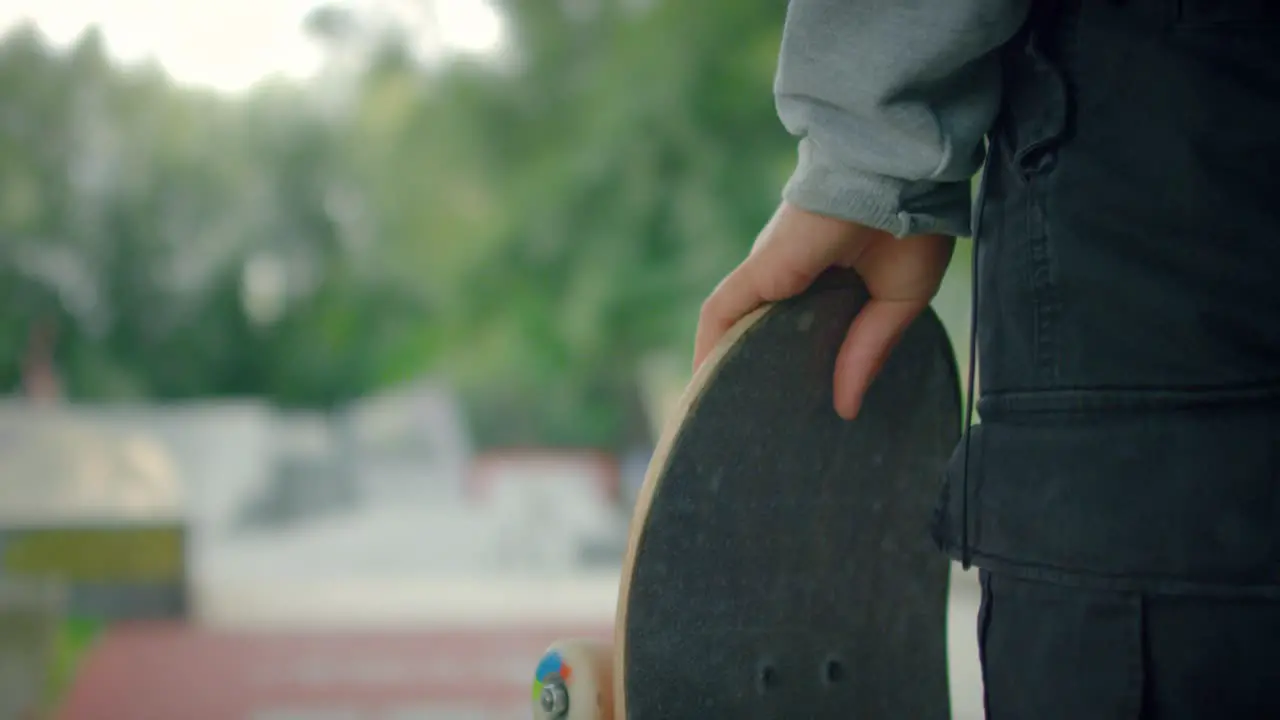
[377, 567]
[432, 609]
[492, 573]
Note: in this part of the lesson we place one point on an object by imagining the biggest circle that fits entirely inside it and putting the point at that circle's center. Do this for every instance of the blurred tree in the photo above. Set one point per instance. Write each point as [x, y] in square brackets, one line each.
[531, 225]
[636, 153]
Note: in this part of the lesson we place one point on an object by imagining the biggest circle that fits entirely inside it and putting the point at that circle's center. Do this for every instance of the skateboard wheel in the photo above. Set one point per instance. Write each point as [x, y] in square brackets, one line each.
[574, 681]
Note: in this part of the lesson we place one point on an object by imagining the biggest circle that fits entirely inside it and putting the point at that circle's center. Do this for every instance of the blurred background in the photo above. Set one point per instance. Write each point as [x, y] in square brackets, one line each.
[335, 337]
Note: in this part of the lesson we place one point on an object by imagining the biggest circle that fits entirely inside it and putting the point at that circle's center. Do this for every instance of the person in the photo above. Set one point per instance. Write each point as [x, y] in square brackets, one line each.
[1119, 494]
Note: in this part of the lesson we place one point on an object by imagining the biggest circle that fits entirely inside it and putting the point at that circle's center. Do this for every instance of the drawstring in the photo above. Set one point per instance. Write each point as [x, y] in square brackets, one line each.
[965, 555]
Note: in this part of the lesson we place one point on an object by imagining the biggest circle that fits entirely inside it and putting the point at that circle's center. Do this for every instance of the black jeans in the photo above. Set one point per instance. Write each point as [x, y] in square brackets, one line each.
[1121, 492]
[1055, 651]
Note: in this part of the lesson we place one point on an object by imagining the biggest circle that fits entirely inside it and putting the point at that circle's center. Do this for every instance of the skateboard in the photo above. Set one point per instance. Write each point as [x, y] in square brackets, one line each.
[779, 562]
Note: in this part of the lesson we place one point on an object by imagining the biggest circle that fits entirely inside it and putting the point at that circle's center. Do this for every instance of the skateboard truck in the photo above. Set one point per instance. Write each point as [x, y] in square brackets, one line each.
[574, 681]
[554, 699]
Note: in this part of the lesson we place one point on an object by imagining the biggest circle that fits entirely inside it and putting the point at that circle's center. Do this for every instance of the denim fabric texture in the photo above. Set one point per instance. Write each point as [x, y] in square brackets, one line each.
[1121, 484]
[1128, 304]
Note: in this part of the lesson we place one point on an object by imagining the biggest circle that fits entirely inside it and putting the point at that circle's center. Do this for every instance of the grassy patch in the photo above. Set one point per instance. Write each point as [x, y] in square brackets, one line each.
[74, 638]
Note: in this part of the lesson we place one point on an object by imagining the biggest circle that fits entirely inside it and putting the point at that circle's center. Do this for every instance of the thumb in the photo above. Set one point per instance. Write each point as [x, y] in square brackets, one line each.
[872, 336]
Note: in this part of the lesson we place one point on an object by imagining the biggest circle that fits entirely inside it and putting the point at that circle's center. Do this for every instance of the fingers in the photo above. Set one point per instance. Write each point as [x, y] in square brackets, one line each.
[758, 280]
[872, 336]
[788, 255]
[902, 276]
[733, 299]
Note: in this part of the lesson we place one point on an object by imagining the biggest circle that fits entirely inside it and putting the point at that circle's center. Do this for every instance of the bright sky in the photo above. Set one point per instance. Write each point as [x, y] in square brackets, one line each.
[230, 44]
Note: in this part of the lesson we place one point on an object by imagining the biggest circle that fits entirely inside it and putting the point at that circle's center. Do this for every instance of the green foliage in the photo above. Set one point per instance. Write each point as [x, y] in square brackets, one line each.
[530, 228]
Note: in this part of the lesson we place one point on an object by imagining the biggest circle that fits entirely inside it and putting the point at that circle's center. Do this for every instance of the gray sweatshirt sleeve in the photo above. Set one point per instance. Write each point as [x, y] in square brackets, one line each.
[891, 100]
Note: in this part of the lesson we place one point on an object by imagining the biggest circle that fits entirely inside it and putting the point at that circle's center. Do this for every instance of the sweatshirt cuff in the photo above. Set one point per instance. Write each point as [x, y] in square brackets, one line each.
[899, 207]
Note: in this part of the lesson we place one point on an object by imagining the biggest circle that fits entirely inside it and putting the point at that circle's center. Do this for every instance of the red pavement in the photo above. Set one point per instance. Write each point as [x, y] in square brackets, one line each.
[167, 671]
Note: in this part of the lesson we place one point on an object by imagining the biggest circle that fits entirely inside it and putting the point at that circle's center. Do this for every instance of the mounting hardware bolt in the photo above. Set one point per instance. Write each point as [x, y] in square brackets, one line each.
[554, 699]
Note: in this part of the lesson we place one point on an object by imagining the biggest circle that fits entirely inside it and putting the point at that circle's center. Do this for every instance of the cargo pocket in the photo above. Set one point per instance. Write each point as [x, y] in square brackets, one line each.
[1052, 652]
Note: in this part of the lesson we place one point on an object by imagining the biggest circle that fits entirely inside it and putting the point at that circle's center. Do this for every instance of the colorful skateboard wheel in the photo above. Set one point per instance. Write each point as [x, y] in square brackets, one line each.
[574, 681]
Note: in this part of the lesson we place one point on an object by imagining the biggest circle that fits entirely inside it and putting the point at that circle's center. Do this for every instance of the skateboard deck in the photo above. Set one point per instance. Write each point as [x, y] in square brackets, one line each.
[779, 562]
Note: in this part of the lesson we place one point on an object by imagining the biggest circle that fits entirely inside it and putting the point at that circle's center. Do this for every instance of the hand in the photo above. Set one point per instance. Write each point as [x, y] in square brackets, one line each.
[902, 276]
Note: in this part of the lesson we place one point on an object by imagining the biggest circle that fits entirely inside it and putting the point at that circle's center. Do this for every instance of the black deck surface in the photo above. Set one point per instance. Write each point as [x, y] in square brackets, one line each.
[785, 569]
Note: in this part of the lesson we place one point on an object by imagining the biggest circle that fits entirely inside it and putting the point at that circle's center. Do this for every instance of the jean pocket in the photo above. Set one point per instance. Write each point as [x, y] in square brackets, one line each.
[1037, 106]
